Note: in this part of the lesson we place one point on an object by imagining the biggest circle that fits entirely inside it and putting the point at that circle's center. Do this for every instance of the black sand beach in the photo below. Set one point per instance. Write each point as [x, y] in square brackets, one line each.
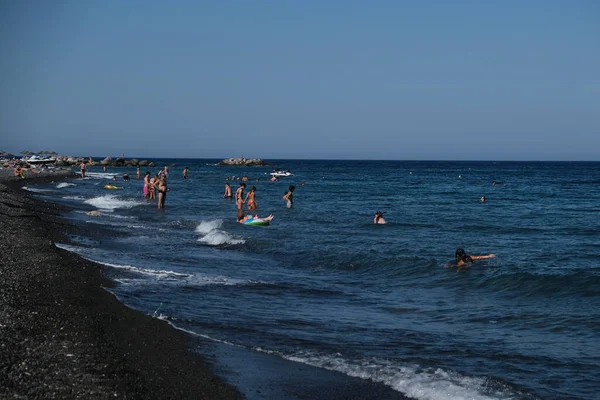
[62, 335]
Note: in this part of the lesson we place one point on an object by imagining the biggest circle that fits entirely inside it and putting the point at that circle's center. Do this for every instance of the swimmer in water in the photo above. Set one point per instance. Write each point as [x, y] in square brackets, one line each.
[379, 218]
[482, 199]
[239, 196]
[250, 199]
[227, 195]
[463, 259]
[289, 196]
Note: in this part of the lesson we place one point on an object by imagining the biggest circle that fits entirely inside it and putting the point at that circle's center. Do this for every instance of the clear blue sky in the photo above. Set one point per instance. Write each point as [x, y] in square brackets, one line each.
[473, 80]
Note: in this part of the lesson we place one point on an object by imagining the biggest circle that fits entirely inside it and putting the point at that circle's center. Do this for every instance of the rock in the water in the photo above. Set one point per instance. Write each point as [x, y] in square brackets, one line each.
[241, 161]
[106, 161]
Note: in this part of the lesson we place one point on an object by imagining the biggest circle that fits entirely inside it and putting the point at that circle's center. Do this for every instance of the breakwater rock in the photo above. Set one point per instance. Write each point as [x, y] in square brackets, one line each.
[9, 160]
[243, 162]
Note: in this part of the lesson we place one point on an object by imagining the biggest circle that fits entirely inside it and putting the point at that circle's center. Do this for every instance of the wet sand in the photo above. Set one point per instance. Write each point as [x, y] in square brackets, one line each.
[63, 335]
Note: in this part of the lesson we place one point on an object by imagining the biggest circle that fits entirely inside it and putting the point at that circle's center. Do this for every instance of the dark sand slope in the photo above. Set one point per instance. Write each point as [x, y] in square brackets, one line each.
[63, 336]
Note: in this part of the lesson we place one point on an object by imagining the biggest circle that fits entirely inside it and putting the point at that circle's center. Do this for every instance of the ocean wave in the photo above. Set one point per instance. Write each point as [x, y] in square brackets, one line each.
[64, 185]
[36, 190]
[206, 226]
[217, 238]
[411, 380]
[100, 175]
[529, 284]
[146, 271]
[213, 236]
[111, 202]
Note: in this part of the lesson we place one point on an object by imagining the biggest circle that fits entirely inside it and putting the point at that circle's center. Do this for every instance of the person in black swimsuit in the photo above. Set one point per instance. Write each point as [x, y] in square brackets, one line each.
[463, 259]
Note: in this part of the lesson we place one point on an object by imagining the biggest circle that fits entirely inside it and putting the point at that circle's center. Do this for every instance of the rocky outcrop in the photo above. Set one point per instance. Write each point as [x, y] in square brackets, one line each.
[106, 161]
[66, 161]
[243, 162]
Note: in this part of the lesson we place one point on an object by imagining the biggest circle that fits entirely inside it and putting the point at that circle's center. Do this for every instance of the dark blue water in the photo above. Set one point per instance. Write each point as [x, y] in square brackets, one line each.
[326, 287]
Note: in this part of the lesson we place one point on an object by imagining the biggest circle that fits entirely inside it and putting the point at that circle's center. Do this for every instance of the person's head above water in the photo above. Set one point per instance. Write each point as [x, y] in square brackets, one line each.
[462, 256]
[242, 185]
[292, 188]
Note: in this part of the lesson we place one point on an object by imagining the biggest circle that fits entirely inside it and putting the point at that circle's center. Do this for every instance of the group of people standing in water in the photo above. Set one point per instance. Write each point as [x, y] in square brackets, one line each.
[157, 184]
[251, 202]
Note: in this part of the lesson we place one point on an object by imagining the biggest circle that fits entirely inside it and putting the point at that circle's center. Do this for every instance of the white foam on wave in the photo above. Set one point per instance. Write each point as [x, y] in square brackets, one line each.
[72, 249]
[64, 185]
[172, 277]
[213, 236]
[111, 202]
[411, 380]
[206, 226]
[164, 276]
[36, 190]
[74, 198]
[146, 271]
[100, 175]
[217, 238]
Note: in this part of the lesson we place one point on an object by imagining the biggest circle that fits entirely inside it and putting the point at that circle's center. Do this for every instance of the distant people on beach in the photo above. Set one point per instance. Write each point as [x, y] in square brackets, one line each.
[185, 171]
[379, 218]
[162, 191]
[104, 166]
[239, 196]
[250, 199]
[463, 259]
[138, 172]
[289, 196]
[147, 185]
[227, 195]
[82, 167]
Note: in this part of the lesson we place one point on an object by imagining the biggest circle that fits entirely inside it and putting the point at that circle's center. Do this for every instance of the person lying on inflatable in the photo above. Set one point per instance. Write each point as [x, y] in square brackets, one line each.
[254, 220]
[112, 187]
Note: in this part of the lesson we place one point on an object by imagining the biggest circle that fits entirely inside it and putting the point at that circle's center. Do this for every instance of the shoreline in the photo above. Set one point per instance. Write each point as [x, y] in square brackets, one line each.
[63, 335]
[66, 336]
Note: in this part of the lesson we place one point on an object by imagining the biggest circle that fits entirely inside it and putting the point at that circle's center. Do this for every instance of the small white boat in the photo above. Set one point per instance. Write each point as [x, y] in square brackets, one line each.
[279, 173]
[40, 160]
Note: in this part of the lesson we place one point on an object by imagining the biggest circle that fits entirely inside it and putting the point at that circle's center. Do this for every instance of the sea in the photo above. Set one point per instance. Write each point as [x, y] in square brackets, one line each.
[324, 286]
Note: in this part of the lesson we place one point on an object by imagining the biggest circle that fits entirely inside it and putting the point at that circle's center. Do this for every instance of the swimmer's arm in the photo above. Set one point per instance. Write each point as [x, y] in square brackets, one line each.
[483, 257]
